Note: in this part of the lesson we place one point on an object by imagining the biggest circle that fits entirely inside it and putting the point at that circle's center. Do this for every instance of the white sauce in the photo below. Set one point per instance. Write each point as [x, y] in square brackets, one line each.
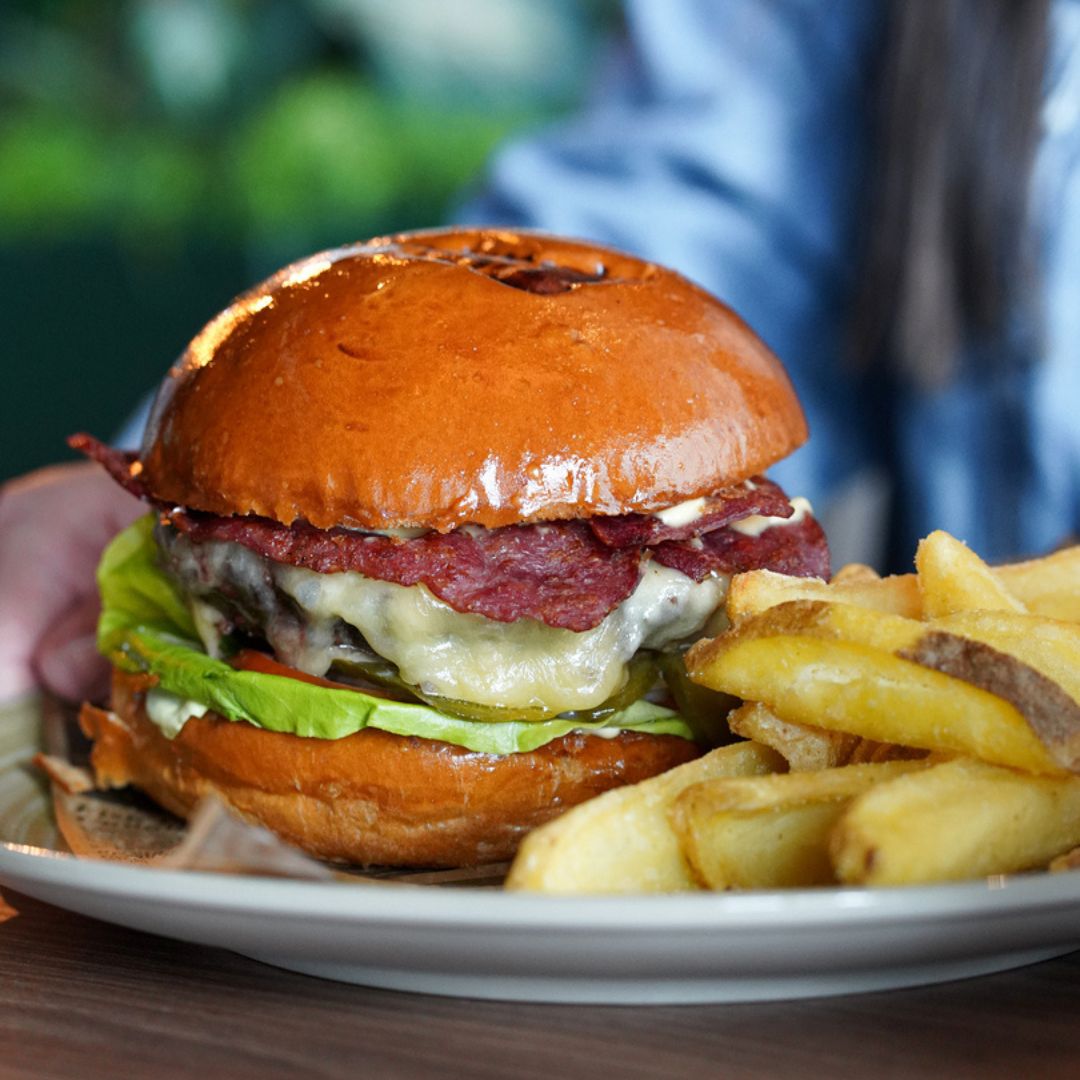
[756, 524]
[405, 532]
[170, 712]
[681, 513]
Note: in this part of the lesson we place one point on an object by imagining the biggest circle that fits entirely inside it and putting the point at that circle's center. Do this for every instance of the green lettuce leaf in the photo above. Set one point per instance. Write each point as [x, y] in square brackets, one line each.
[135, 592]
[145, 626]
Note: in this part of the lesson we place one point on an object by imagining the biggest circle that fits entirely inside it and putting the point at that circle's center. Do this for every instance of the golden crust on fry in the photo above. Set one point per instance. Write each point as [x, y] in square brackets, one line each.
[839, 667]
[771, 831]
[953, 578]
[621, 842]
[807, 749]
[960, 819]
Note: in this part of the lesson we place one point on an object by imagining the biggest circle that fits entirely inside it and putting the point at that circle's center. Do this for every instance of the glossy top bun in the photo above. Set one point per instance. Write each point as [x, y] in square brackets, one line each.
[438, 378]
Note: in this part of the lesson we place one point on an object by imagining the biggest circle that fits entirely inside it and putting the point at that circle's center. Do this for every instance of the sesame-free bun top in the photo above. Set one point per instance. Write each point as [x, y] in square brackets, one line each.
[434, 379]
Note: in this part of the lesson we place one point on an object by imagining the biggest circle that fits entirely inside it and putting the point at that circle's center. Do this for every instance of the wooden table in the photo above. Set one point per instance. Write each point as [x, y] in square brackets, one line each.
[80, 998]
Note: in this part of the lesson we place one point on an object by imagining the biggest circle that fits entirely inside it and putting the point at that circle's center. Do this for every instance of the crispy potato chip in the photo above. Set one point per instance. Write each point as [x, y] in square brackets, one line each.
[770, 831]
[957, 820]
[953, 578]
[621, 841]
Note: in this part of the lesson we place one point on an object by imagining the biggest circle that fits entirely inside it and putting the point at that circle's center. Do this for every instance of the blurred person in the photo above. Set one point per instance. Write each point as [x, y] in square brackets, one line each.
[889, 194]
[885, 191]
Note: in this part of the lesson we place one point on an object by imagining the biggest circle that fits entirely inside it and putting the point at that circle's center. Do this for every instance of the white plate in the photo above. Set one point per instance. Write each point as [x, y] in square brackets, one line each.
[484, 943]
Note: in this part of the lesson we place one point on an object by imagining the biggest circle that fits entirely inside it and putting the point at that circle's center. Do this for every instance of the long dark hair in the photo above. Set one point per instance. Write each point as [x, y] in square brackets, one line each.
[947, 256]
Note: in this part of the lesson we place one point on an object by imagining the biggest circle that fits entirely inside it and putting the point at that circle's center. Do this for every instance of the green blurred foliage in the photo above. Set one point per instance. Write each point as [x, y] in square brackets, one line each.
[353, 161]
[157, 156]
[59, 174]
[154, 117]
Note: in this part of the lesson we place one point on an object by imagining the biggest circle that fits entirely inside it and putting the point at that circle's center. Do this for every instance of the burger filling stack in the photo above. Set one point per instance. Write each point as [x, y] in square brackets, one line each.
[432, 520]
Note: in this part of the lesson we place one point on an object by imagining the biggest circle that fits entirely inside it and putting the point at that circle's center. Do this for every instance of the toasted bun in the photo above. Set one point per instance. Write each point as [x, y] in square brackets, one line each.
[371, 798]
[416, 381]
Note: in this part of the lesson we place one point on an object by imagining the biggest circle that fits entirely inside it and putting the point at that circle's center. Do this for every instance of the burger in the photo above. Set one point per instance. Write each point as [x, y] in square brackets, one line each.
[432, 519]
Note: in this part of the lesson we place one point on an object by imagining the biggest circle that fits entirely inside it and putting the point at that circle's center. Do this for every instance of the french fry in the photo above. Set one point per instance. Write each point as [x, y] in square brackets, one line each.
[1048, 586]
[854, 692]
[1049, 646]
[771, 831]
[1027, 660]
[804, 748]
[855, 573]
[961, 819]
[1063, 863]
[834, 666]
[754, 592]
[621, 841]
[953, 578]
[807, 749]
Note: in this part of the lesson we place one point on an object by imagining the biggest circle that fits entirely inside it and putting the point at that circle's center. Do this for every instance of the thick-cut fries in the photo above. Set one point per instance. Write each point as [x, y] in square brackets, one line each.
[957, 820]
[770, 831]
[1049, 646]
[755, 592]
[958, 659]
[1048, 586]
[621, 841]
[953, 578]
[807, 749]
[826, 665]
[855, 573]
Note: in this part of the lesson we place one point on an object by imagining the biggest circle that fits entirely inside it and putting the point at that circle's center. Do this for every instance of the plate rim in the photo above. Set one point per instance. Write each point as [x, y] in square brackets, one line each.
[465, 906]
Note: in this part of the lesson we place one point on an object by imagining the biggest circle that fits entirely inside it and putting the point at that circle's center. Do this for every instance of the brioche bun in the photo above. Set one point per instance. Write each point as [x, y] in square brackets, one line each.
[371, 798]
[435, 380]
[407, 382]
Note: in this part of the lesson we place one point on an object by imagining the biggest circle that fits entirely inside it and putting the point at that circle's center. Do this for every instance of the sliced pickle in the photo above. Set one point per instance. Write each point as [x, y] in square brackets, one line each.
[374, 672]
[642, 674]
[705, 710]
[474, 710]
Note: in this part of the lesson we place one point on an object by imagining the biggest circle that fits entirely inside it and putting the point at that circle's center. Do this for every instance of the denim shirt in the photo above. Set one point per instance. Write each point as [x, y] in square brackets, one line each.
[728, 141]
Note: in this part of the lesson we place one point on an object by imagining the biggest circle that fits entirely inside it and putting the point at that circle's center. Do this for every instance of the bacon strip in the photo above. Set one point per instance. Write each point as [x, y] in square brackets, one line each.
[757, 496]
[567, 574]
[122, 465]
[798, 549]
[559, 573]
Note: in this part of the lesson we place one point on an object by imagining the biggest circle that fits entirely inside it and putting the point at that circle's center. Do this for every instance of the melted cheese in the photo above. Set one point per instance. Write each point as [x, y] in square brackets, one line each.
[516, 665]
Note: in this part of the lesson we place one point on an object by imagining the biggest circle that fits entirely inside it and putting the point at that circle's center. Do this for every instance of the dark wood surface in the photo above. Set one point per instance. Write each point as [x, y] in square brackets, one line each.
[82, 999]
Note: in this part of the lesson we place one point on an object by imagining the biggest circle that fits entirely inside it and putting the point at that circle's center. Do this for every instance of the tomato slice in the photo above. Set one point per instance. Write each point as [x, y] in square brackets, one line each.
[253, 660]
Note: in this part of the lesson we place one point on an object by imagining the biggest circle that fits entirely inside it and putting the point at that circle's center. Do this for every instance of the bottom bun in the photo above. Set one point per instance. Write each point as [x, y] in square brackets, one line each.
[371, 798]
